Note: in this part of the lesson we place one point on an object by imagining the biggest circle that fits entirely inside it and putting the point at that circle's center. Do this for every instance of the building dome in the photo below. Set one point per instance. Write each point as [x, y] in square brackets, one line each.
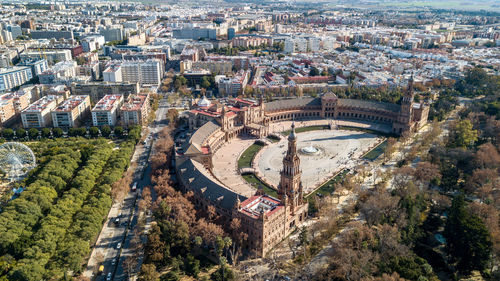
[204, 102]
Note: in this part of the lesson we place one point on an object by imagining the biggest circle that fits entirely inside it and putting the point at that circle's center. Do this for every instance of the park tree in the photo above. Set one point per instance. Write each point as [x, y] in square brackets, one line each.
[118, 131]
[476, 76]
[8, 133]
[462, 134]
[134, 133]
[192, 266]
[425, 172]
[57, 132]
[172, 115]
[487, 157]
[149, 273]
[390, 148]
[105, 131]
[94, 132]
[468, 241]
[205, 84]
[353, 258]
[179, 82]
[223, 273]
[20, 133]
[380, 207]
[304, 240]
[72, 132]
[46, 132]
[33, 133]
[314, 71]
[75, 132]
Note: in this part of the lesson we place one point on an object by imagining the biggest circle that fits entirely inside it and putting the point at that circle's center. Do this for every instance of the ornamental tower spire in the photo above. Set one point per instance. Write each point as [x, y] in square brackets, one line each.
[290, 184]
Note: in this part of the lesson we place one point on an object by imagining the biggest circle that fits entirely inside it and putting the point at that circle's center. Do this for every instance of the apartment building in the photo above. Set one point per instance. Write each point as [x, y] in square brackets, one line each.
[14, 76]
[20, 100]
[37, 66]
[146, 73]
[49, 34]
[113, 33]
[52, 56]
[7, 110]
[97, 90]
[63, 69]
[92, 43]
[105, 112]
[233, 86]
[251, 41]
[37, 114]
[217, 67]
[71, 111]
[136, 110]
[113, 73]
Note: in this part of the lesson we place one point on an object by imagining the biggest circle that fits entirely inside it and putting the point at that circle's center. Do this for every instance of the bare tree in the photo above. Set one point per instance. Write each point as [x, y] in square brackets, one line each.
[487, 157]
[129, 265]
[425, 172]
[378, 207]
[390, 148]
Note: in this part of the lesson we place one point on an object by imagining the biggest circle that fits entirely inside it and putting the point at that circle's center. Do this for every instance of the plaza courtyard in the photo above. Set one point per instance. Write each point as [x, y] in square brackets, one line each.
[323, 153]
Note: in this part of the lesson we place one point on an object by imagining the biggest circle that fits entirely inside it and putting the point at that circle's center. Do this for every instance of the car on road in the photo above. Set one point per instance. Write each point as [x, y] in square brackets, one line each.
[113, 262]
[108, 277]
[117, 221]
[118, 246]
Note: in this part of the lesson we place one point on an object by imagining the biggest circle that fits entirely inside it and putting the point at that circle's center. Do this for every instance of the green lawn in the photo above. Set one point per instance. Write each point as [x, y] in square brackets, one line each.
[257, 183]
[307, 129]
[376, 152]
[245, 160]
[273, 139]
[329, 187]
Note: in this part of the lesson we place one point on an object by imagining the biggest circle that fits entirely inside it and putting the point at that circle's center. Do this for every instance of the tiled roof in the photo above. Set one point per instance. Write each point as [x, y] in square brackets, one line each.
[376, 105]
[203, 133]
[290, 103]
[200, 181]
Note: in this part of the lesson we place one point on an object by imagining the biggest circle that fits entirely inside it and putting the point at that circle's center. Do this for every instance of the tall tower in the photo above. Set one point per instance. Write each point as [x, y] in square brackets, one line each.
[405, 113]
[290, 187]
[224, 119]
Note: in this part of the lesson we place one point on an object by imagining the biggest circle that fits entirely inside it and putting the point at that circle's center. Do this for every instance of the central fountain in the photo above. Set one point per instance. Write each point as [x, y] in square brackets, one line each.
[310, 150]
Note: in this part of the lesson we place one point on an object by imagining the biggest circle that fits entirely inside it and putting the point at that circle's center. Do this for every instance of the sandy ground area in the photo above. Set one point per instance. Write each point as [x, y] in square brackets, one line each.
[225, 169]
[337, 149]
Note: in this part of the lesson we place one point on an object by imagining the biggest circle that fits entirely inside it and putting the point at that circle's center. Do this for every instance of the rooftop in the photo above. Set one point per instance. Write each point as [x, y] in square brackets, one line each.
[71, 103]
[108, 102]
[42, 103]
[134, 103]
[256, 205]
[12, 69]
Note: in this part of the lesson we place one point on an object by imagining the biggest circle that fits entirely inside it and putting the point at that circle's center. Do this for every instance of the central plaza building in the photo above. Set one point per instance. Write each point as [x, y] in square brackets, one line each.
[265, 219]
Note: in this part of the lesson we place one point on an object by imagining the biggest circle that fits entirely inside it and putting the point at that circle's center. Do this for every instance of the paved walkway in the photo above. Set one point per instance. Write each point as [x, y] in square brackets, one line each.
[225, 169]
[337, 150]
[285, 125]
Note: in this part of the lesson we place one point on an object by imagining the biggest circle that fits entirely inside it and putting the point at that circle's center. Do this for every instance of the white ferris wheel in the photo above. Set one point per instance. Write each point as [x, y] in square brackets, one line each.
[16, 160]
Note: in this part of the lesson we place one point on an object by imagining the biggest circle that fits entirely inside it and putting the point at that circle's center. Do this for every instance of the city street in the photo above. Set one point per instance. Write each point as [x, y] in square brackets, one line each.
[113, 233]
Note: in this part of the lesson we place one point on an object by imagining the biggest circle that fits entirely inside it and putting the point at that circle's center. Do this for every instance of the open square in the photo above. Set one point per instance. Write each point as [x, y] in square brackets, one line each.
[322, 154]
